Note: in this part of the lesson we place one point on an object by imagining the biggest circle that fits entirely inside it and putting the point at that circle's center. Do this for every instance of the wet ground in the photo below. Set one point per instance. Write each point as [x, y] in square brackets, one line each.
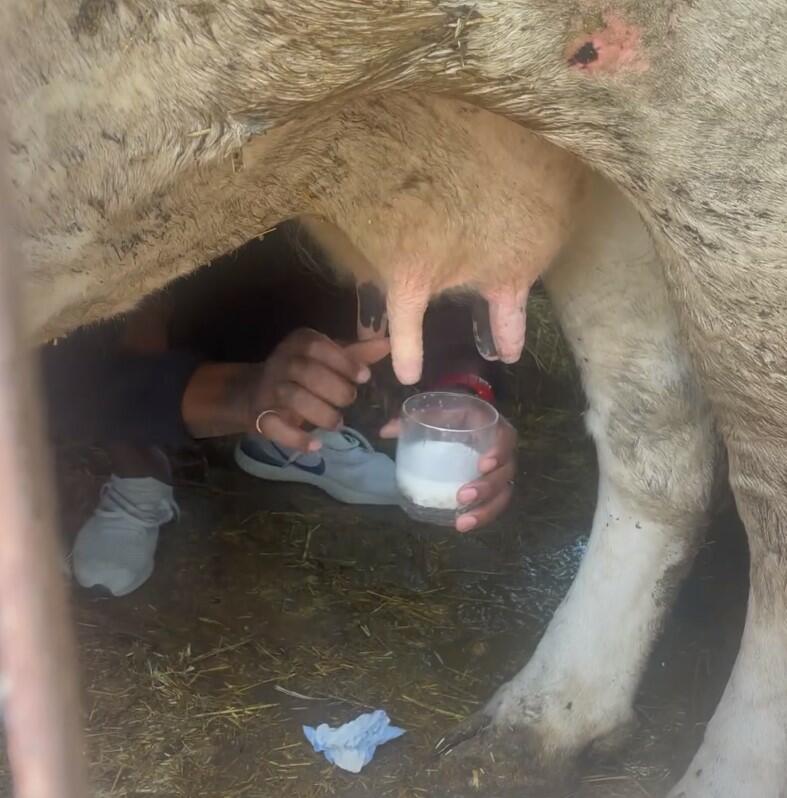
[272, 606]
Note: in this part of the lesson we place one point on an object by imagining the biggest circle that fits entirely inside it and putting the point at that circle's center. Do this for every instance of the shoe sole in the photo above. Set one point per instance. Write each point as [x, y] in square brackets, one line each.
[135, 585]
[293, 474]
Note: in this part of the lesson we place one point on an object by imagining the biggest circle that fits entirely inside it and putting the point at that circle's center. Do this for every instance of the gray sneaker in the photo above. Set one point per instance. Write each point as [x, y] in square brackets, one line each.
[116, 546]
[346, 467]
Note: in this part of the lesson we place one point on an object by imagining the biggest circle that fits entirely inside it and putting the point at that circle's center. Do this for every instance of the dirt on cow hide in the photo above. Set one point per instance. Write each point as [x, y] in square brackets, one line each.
[272, 607]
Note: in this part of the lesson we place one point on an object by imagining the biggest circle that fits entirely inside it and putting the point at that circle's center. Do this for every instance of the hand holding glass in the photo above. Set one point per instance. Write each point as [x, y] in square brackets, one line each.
[442, 440]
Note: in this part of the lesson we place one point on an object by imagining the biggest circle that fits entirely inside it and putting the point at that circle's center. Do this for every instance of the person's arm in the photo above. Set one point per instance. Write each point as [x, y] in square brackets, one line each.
[171, 398]
[215, 401]
[307, 380]
[118, 397]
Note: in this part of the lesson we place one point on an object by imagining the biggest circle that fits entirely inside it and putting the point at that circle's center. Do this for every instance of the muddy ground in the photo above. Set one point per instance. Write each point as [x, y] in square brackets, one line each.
[273, 606]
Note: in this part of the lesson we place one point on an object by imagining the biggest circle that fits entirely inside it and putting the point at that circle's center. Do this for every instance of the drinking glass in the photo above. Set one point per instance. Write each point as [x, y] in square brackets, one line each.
[442, 439]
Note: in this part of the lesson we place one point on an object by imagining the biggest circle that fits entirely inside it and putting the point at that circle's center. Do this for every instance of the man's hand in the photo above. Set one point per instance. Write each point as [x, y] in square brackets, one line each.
[490, 494]
[307, 379]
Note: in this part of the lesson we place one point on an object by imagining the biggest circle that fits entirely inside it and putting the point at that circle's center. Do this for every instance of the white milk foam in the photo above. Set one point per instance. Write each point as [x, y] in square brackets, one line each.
[430, 473]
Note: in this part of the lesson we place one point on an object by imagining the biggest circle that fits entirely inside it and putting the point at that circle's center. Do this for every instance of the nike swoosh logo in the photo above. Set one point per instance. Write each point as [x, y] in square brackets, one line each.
[317, 470]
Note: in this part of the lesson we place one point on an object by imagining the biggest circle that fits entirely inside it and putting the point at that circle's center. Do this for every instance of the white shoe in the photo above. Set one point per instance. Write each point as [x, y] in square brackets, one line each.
[346, 468]
[116, 546]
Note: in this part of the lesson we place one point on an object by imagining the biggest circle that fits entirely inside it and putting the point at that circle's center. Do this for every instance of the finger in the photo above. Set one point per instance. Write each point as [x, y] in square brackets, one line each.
[406, 308]
[503, 452]
[372, 320]
[368, 352]
[391, 429]
[497, 458]
[486, 488]
[506, 433]
[316, 346]
[489, 463]
[290, 418]
[485, 513]
[322, 381]
[311, 408]
[276, 428]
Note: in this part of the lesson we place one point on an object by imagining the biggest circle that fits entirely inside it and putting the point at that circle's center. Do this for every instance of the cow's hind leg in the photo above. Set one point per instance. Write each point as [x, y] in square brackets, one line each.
[744, 753]
[656, 450]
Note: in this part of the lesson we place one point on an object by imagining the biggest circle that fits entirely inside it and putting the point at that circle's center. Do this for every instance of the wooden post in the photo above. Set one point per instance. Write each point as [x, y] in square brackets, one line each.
[37, 651]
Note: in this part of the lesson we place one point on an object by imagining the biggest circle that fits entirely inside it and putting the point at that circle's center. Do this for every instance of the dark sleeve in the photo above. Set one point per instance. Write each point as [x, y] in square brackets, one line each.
[117, 397]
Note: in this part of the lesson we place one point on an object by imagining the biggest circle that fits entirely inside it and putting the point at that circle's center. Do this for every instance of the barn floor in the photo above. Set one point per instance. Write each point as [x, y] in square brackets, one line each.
[273, 606]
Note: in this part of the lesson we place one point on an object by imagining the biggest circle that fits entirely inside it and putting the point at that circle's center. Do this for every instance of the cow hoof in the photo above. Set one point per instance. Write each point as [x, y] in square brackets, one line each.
[561, 721]
[502, 750]
[479, 756]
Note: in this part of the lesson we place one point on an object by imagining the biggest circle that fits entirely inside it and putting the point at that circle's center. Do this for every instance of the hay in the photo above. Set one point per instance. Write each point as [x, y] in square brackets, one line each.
[545, 342]
[156, 719]
[159, 713]
[262, 617]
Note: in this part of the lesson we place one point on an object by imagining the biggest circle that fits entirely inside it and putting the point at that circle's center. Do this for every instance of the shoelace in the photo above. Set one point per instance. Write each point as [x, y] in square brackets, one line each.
[123, 508]
[352, 434]
[349, 434]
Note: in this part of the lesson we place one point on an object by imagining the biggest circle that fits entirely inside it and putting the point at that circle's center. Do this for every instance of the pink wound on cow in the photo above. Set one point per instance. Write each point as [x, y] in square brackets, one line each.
[615, 47]
[507, 320]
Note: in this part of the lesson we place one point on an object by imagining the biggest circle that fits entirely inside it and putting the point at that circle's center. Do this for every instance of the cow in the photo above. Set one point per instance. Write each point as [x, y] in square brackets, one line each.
[146, 138]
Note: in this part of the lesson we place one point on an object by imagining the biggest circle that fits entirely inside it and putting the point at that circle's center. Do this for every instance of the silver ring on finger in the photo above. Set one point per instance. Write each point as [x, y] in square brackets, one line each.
[261, 418]
[511, 483]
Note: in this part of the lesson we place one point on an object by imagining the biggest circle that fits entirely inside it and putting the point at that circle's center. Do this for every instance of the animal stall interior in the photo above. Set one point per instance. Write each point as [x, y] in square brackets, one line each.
[273, 606]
